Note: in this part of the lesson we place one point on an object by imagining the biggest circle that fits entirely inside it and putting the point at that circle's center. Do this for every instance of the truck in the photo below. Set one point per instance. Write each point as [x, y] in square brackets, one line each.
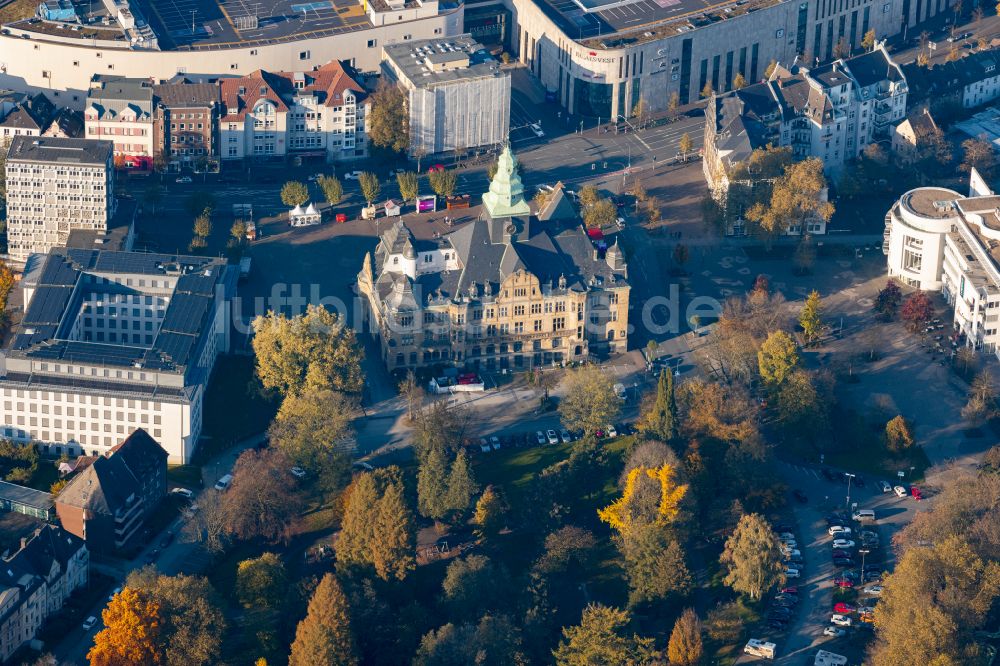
[824, 658]
[760, 648]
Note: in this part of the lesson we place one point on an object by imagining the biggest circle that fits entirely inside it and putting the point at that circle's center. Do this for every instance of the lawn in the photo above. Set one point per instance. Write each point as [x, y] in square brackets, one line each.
[17, 10]
[233, 408]
[185, 475]
[878, 463]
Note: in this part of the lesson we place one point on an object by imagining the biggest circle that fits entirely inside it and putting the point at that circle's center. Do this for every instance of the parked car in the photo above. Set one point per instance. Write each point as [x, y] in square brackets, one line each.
[352, 175]
[183, 180]
[900, 491]
[792, 553]
[786, 535]
[916, 493]
[866, 610]
[842, 553]
[89, 623]
[565, 436]
[540, 437]
[836, 519]
[836, 632]
[843, 543]
[495, 443]
[182, 492]
[167, 539]
[843, 562]
[114, 592]
[843, 582]
[873, 590]
[297, 472]
[552, 437]
[223, 482]
[839, 530]
[791, 573]
[800, 496]
[885, 486]
[859, 481]
[790, 590]
[843, 608]
[537, 129]
[840, 620]
[612, 432]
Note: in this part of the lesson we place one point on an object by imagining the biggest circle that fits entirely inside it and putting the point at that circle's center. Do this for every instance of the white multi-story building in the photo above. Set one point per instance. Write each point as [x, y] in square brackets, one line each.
[111, 342]
[121, 110]
[316, 113]
[54, 186]
[459, 98]
[939, 240]
[831, 112]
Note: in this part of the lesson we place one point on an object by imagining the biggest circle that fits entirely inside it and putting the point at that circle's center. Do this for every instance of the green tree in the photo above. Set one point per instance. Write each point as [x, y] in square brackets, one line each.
[261, 581]
[471, 584]
[495, 641]
[802, 407]
[388, 123]
[601, 214]
[654, 564]
[685, 648]
[600, 639]
[752, 557]
[810, 317]
[443, 182]
[461, 485]
[312, 351]
[325, 636]
[590, 402]
[192, 625]
[490, 514]
[660, 420]
[777, 358]
[432, 484]
[333, 189]
[898, 435]
[198, 202]
[294, 193]
[311, 429]
[370, 187]
[394, 544]
[409, 186]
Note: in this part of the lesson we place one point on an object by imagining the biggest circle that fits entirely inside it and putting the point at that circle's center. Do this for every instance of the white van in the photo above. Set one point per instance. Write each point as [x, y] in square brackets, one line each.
[223, 483]
[760, 648]
[864, 514]
[824, 658]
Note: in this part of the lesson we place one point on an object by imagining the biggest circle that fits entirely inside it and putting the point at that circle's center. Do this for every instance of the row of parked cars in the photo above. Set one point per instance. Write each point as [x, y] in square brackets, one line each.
[858, 536]
[543, 438]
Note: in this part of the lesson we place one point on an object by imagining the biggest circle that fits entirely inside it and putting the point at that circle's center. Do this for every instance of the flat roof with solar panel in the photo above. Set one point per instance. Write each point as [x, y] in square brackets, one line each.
[91, 313]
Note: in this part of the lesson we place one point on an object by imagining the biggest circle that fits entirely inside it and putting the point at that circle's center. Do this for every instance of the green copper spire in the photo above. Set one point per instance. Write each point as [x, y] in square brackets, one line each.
[506, 195]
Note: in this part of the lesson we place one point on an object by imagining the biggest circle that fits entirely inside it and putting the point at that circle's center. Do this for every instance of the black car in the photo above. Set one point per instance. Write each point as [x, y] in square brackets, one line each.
[167, 539]
[153, 554]
[777, 625]
[859, 481]
[779, 614]
[873, 568]
[784, 527]
[836, 519]
[843, 562]
[800, 496]
[828, 474]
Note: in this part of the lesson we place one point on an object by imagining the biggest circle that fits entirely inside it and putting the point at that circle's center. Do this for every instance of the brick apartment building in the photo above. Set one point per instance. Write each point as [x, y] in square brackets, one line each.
[186, 123]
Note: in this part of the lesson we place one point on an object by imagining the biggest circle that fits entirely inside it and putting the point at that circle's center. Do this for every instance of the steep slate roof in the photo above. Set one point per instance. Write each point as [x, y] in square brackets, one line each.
[138, 450]
[102, 487]
[951, 77]
[31, 113]
[28, 568]
[112, 96]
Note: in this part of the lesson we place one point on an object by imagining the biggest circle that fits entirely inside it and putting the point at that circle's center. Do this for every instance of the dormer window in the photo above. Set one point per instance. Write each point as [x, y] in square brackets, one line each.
[263, 90]
[243, 91]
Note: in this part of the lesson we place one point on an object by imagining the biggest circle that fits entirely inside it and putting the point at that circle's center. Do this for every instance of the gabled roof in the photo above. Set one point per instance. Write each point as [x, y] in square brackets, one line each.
[557, 207]
[241, 95]
[138, 450]
[328, 82]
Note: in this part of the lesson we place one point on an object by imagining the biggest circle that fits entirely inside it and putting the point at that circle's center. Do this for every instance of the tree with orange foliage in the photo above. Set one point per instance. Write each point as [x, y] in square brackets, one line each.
[130, 634]
[634, 508]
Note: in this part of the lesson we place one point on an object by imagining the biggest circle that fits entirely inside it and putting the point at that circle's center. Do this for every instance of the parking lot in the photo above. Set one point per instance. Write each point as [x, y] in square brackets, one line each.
[837, 586]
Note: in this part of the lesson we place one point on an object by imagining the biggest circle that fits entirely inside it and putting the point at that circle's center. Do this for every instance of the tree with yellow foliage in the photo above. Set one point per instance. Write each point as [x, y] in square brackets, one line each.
[632, 510]
[130, 634]
[797, 196]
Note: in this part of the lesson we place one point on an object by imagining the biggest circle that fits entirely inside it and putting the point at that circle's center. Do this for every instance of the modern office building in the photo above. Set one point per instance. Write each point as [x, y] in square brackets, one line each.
[111, 342]
[599, 58]
[121, 110]
[508, 290]
[55, 186]
[940, 240]
[459, 98]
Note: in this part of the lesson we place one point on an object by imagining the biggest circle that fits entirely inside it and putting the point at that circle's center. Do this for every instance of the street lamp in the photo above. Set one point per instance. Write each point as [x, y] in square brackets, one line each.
[850, 477]
[863, 552]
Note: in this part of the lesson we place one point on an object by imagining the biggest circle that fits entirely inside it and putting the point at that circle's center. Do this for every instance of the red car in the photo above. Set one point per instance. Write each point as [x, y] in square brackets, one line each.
[790, 590]
[436, 167]
[843, 609]
[917, 494]
[845, 583]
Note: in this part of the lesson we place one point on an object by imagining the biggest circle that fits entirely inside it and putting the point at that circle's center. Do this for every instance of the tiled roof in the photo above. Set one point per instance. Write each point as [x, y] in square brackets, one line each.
[329, 82]
[242, 94]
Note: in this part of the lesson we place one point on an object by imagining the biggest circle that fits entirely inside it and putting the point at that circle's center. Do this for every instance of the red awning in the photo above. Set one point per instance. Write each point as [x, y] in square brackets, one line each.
[595, 234]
